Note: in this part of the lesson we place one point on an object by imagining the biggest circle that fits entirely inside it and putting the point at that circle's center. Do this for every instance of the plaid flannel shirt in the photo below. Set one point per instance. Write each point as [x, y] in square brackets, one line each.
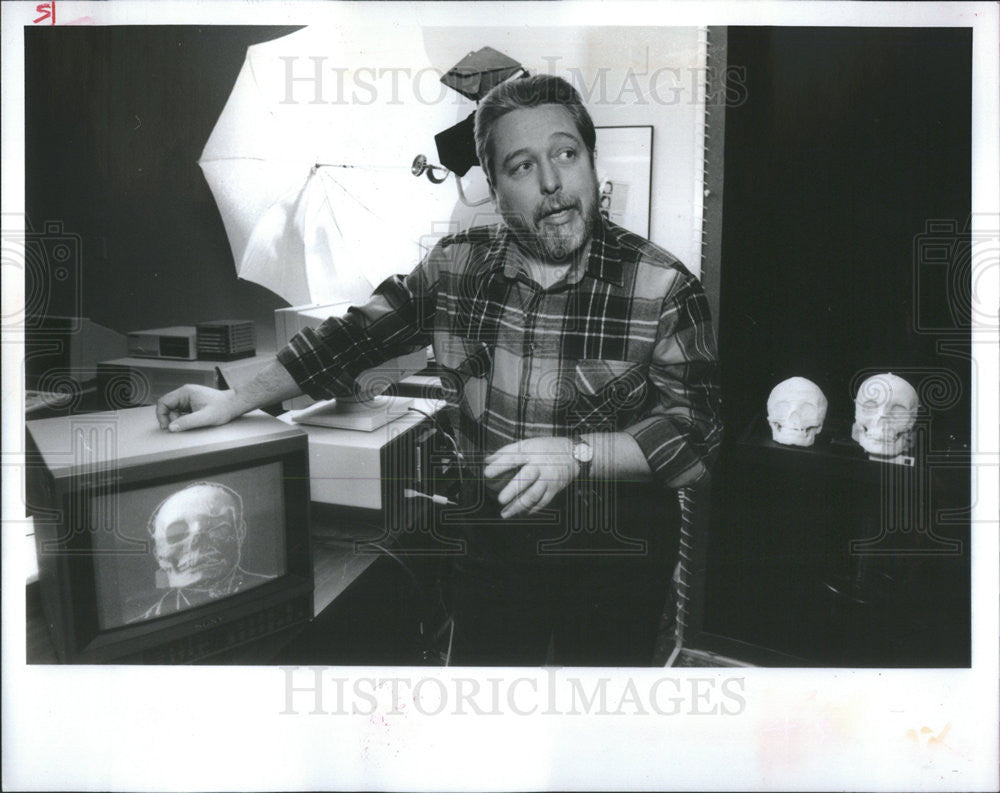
[623, 342]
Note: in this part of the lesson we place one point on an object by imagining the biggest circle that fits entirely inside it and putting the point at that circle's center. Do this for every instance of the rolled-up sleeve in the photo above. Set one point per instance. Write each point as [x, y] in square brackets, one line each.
[681, 433]
[398, 319]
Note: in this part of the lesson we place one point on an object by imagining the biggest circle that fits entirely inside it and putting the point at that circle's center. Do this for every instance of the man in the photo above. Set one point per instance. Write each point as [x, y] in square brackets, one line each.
[198, 535]
[579, 360]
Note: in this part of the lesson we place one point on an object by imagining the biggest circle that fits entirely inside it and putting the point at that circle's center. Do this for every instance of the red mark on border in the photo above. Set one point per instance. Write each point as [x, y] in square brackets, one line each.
[47, 11]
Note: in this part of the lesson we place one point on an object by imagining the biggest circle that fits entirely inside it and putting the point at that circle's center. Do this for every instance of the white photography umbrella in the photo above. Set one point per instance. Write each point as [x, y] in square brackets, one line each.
[309, 161]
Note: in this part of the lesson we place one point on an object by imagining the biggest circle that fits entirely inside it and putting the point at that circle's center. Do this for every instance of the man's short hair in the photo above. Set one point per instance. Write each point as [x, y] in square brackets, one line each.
[526, 92]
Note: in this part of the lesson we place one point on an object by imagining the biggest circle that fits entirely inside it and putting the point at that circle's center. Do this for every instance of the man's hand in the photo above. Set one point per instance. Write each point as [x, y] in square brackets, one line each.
[192, 406]
[542, 468]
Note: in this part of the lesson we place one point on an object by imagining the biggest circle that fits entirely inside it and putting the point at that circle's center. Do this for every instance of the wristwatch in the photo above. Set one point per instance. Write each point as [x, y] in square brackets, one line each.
[583, 453]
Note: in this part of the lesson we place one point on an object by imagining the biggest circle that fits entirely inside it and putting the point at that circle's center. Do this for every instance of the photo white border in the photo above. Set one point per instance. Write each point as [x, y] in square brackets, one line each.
[107, 728]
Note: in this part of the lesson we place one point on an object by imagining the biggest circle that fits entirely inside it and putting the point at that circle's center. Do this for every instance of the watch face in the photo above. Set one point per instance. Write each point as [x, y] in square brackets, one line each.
[583, 452]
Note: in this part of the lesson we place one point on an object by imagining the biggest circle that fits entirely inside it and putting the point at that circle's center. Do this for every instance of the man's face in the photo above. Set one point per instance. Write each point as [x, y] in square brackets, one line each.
[545, 185]
[197, 533]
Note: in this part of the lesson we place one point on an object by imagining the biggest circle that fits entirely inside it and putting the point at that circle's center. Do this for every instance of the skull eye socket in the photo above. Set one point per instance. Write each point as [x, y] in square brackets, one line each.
[221, 530]
[176, 532]
[900, 412]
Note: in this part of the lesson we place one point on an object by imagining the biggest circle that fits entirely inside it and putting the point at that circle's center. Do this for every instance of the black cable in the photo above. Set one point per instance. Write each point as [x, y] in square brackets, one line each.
[427, 646]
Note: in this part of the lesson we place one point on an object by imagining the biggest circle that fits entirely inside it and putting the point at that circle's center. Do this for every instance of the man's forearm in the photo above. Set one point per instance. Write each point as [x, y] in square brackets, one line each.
[271, 385]
[617, 456]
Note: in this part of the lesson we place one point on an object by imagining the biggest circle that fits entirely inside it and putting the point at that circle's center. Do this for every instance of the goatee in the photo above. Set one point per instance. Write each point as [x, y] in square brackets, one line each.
[555, 244]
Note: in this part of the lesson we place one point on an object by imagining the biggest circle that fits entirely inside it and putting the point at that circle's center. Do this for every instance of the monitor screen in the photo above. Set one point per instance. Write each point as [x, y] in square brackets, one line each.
[171, 546]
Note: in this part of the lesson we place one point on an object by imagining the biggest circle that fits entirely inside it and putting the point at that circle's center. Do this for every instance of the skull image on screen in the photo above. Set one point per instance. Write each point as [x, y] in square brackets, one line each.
[885, 411]
[796, 410]
[198, 534]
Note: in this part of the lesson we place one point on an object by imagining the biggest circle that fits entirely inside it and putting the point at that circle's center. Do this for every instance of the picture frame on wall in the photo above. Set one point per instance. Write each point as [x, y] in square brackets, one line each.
[624, 176]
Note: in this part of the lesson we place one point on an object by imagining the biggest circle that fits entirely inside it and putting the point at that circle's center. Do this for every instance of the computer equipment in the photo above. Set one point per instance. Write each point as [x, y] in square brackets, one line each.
[368, 471]
[367, 415]
[178, 342]
[160, 547]
[226, 339]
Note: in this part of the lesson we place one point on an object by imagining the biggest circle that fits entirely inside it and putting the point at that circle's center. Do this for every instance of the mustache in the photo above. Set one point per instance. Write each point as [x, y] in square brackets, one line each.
[551, 206]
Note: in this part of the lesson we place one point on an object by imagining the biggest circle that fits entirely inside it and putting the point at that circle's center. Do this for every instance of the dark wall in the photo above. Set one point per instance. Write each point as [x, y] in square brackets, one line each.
[115, 120]
[849, 143]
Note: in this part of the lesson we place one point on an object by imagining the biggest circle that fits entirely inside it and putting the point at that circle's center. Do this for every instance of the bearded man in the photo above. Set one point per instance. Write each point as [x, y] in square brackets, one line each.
[580, 368]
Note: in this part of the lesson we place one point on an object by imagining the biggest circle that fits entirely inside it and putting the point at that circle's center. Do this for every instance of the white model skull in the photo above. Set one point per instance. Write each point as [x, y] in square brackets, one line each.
[197, 534]
[796, 410]
[885, 411]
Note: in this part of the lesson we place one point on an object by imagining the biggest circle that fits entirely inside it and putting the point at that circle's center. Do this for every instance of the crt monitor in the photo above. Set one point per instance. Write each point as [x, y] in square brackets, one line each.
[159, 547]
